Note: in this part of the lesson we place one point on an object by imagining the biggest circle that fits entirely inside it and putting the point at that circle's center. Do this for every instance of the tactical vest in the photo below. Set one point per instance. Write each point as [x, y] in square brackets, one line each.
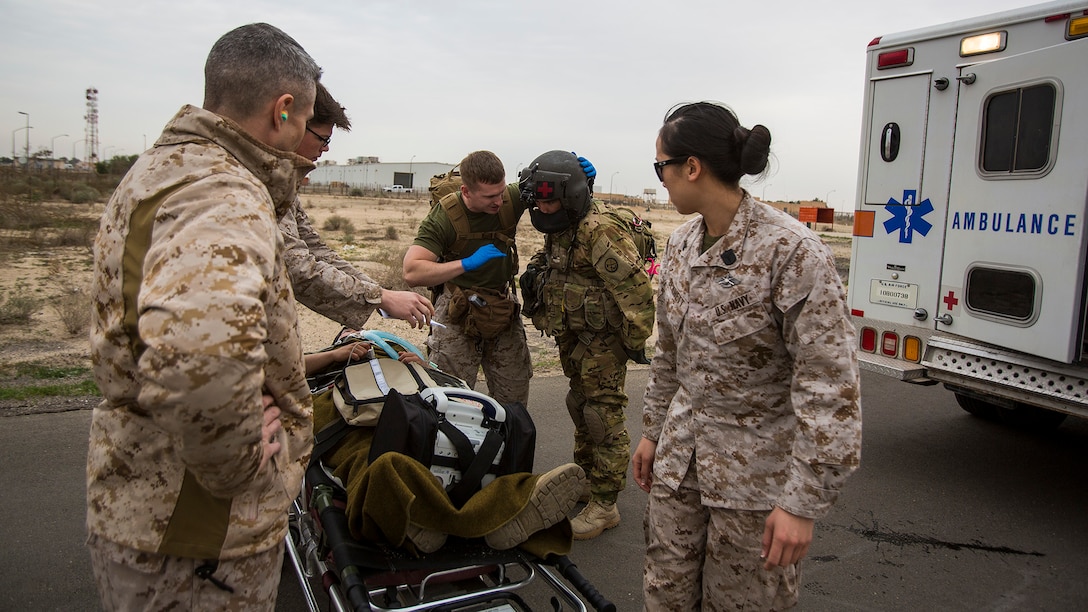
[575, 298]
[458, 215]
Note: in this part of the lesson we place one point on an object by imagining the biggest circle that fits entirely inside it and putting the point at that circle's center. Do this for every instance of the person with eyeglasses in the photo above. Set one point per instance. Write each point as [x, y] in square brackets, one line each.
[752, 413]
[322, 280]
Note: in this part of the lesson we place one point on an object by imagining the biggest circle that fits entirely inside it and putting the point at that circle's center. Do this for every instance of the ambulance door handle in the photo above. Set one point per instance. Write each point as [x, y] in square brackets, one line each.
[967, 79]
[945, 319]
[921, 314]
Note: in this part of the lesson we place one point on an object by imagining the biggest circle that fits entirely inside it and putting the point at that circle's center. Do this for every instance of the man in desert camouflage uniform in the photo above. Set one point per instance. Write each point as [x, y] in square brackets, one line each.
[321, 279]
[752, 415]
[597, 301]
[199, 444]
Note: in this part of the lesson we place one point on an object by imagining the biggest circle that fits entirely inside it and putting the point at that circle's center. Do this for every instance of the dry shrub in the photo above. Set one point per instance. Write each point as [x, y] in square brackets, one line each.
[18, 306]
[84, 195]
[391, 233]
[339, 223]
[391, 275]
[74, 310]
[76, 236]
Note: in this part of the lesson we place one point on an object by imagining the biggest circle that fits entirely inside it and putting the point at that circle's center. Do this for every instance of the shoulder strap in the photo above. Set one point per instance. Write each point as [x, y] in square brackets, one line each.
[458, 216]
[327, 438]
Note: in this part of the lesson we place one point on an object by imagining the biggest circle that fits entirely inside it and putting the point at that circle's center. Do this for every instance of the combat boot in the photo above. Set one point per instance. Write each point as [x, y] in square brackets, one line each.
[425, 540]
[594, 519]
[554, 495]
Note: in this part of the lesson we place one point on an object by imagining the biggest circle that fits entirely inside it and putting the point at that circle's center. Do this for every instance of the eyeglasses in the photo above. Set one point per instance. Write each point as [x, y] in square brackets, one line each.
[325, 140]
[659, 166]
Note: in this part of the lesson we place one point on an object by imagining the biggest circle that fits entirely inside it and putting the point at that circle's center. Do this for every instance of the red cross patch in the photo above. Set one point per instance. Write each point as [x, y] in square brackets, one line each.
[544, 190]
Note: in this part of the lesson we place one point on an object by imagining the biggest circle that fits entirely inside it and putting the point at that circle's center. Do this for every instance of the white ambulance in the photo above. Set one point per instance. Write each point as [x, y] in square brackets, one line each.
[969, 255]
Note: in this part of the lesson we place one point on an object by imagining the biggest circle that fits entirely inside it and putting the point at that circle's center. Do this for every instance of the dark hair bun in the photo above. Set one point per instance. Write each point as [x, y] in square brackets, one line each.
[754, 147]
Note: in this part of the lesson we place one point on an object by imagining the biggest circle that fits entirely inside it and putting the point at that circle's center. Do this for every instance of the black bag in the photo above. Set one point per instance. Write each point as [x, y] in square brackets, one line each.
[464, 437]
[408, 425]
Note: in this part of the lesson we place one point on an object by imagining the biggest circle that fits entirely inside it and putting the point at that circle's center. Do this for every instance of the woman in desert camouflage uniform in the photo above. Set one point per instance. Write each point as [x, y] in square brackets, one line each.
[752, 418]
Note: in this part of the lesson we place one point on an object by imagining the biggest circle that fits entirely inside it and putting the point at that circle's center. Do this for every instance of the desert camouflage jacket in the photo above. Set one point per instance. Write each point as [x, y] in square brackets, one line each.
[595, 281]
[755, 368]
[321, 279]
[194, 318]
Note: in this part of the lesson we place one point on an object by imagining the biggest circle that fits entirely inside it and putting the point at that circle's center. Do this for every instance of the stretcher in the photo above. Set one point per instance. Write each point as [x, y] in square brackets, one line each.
[463, 576]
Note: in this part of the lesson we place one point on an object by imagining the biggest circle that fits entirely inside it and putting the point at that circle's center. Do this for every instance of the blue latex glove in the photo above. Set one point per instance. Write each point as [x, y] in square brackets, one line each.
[482, 255]
[587, 166]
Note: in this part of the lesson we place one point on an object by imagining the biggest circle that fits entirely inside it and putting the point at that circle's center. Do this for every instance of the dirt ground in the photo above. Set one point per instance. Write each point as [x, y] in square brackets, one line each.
[380, 231]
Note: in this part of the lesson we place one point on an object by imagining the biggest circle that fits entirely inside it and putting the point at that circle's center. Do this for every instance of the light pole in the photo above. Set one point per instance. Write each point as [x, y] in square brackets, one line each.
[763, 197]
[27, 152]
[14, 156]
[74, 146]
[612, 178]
[53, 143]
[411, 177]
[828, 196]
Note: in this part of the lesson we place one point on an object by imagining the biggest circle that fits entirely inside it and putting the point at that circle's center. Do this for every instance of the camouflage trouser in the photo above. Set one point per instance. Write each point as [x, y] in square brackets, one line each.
[505, 358]
[132, 580]
[702, 558]
[595, 401]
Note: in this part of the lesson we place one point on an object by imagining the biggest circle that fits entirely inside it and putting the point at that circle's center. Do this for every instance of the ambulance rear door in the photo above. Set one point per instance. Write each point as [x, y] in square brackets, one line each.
[895, 266]
[1014, 263]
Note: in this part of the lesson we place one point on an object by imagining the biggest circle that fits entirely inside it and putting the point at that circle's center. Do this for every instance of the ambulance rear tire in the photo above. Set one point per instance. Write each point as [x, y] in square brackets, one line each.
[1031, 418]
[977, 407]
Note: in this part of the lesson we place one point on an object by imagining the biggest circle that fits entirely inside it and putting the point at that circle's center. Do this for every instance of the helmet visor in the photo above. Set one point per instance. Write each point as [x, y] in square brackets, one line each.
[545, 185]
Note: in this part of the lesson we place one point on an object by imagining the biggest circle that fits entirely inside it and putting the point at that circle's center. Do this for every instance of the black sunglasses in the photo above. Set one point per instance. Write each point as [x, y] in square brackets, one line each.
[659, 166]
[325, 140]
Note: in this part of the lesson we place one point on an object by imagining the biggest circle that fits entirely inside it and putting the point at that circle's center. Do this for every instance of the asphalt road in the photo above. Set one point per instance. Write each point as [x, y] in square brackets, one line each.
[947, 512]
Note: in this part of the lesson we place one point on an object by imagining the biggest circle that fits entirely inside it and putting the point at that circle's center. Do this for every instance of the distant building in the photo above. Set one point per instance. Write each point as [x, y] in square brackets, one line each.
[794, 208]
[369, 173]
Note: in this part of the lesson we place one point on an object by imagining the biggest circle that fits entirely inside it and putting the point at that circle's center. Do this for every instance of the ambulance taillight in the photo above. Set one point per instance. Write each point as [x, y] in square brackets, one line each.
[868, 339]
[889, 344]
[895, 59]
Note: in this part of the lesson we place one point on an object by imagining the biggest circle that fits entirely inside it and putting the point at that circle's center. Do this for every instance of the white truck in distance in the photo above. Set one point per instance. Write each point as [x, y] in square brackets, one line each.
[969, 256]
[398, 189]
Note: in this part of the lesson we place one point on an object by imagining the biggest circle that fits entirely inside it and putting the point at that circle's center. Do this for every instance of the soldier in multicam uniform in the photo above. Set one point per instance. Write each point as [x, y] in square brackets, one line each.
[752, 419]
[597, 301]
[321, 279]
[472, 282]
[199, 444]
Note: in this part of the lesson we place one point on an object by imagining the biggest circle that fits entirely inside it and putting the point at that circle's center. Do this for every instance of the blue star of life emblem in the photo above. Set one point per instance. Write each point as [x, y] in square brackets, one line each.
[908, 217]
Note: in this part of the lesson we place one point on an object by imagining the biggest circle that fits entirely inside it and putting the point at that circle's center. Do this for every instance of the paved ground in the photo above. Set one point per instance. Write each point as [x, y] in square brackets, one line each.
[947, 512]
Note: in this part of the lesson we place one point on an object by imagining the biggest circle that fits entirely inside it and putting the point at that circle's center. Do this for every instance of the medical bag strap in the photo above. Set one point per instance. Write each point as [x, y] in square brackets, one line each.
[328, 437]
[478, 463]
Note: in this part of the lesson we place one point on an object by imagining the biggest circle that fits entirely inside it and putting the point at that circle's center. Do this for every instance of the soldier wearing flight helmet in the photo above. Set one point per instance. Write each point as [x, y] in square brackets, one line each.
[596, 300]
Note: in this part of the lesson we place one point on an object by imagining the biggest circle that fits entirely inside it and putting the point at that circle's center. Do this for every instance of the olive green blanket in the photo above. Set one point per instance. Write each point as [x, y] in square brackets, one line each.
[384, 497]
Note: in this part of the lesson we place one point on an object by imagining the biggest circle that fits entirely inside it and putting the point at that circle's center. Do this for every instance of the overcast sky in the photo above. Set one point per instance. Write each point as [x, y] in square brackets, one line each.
[438, 79]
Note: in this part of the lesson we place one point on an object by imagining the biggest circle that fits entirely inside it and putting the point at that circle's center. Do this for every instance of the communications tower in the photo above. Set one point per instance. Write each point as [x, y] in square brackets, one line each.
[91, 130]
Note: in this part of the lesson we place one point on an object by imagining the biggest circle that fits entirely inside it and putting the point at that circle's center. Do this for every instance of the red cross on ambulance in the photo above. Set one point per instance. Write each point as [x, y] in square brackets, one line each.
[950, 299]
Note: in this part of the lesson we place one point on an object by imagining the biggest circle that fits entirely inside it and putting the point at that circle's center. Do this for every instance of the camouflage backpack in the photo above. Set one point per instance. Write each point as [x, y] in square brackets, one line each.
[444, 184]
[641, 233]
